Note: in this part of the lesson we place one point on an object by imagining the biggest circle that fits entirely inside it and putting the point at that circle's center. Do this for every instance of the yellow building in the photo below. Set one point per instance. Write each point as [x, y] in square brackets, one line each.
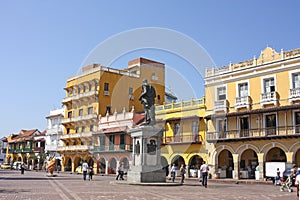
[184, 136]
[99, 91]
[253, 114]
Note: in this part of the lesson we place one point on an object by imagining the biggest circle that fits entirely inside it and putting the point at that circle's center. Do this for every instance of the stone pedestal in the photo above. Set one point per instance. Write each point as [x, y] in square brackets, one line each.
[146, 157]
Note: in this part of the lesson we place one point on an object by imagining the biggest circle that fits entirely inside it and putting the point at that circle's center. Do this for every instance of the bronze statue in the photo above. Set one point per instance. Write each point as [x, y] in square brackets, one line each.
[147, 98]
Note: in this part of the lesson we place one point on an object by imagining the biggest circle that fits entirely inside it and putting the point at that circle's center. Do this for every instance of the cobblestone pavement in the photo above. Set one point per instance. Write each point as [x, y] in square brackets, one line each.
[36, 185]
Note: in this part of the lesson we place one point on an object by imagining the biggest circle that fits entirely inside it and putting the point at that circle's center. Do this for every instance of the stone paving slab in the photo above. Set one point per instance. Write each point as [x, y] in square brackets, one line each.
[36, 185]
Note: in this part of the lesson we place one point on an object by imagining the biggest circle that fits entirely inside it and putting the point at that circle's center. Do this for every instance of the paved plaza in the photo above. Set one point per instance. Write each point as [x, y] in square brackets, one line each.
[36, 185]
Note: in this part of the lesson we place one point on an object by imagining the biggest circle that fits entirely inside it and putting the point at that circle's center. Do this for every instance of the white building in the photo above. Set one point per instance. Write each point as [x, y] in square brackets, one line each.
[54, 131]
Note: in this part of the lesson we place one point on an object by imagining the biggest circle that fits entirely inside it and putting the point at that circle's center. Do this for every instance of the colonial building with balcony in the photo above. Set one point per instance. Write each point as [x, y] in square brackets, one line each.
[28, 146]
[98, 91]
[112, 142]
[253, 114]
[183, 140]
[54, 132]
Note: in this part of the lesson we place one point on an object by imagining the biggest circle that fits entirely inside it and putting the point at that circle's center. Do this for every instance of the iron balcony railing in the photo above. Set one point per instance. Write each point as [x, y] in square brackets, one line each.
[257, 132]
[192, 138]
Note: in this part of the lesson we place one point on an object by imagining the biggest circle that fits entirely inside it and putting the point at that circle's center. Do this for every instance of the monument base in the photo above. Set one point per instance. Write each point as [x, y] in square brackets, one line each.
[158, 176]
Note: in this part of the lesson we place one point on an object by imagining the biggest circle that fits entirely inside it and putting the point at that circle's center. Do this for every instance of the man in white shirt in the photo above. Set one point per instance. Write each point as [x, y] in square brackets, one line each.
[204, 170]
[85, 167]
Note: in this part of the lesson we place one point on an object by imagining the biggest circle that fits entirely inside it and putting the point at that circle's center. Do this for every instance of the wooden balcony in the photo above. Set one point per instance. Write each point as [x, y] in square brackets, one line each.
[262, 133]
[182, 139]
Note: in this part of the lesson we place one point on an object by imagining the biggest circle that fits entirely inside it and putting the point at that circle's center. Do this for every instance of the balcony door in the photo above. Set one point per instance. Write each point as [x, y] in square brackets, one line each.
[102, 142]
[270, 124]
[111, 142]
[269, 85]
[122, 141]
[221, 128]
[297, 122]
[244, 126]
[176, 132]
[243, 89]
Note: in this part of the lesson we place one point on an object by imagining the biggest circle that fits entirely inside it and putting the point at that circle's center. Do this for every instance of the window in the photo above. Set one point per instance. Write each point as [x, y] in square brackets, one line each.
[270, 124]
[84, 88]
[102, 140]
[243, 89]
[77, 130]
[221, 127]
[269, 85]
[195, 130]
[221, 93]
[90, 87]
[78, 91]
[91, 127]
[96, 86]
[122, 139]
[106, 86]
[176, 129]
[111, 142]
[296, 80]
[297, 121]
[82, 129]
[154, 77]
[70, 114]
[90, 110]
[68, 130]
[130, 91]
[244, 126]
[80, 112]
[108, 109]
[195, 127]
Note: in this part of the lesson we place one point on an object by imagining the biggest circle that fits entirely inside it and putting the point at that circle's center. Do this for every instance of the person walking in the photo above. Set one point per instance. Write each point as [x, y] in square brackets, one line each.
[91, 173]
[22, 168]
[204, 170]
[120, 172]
[182, 173]
[173, 172]
[85, 167]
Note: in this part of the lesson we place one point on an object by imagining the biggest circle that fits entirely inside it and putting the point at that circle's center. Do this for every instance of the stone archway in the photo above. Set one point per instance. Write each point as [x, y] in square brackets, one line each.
[276, 154]
[101, 165]
[68, 164]
[112, 166]
[194, 165]
[248, 163]
[225, 164]
[178, 161]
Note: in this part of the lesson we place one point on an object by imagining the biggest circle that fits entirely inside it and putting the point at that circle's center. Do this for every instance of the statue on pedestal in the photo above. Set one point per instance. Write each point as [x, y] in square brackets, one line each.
[147, 98]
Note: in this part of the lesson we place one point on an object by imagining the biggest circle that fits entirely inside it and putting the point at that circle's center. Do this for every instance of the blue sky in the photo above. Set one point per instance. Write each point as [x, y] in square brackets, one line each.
[42, 43]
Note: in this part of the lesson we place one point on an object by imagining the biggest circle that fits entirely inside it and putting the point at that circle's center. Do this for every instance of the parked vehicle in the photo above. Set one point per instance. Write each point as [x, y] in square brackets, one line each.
[5, 166]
